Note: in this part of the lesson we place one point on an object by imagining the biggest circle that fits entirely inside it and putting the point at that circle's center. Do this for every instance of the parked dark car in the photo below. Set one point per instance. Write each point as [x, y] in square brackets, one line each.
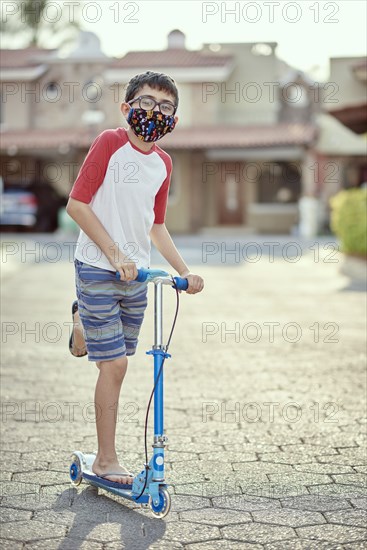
[29, 208]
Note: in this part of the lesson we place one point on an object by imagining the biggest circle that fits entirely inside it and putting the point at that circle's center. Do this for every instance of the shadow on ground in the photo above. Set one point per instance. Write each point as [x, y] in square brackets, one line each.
[98, 517]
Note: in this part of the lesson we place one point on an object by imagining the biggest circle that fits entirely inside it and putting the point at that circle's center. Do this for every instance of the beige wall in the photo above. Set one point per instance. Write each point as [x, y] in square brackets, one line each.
[31, 106]
[272, 218]
[178, 210]
[250, 104]
[349, 89]
[15, 110]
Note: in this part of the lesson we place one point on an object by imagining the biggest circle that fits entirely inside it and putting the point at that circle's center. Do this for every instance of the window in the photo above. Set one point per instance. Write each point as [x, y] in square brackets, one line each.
[279, 182]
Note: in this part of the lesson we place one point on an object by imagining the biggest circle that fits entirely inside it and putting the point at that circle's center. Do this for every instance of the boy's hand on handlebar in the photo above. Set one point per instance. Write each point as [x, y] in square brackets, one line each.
[128, 270]
[196, 283]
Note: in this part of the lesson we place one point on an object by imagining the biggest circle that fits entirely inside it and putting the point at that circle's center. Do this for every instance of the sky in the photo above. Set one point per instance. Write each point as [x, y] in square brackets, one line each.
[308, 32]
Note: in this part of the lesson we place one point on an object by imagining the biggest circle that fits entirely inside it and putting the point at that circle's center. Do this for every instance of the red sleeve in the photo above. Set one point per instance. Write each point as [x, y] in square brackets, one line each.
[93, 170]
[161, 198]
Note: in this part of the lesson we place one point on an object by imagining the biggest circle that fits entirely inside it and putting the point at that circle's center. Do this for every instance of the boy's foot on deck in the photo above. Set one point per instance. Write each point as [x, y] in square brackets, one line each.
[119, 475]
[77, 343]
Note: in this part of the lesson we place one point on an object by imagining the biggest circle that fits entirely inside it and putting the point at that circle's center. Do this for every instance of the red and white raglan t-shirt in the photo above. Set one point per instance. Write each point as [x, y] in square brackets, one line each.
[127, 189]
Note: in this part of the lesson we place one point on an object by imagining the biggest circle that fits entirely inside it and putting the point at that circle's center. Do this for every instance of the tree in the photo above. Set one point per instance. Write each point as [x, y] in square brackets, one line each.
[35, 22]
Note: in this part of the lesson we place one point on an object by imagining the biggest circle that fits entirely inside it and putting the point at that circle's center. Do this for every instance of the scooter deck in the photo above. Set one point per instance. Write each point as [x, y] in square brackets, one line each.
[120, 489]
[102, 482]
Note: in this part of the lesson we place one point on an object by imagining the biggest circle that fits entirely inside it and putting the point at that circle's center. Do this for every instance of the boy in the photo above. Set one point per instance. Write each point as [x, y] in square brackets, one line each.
[119, 201]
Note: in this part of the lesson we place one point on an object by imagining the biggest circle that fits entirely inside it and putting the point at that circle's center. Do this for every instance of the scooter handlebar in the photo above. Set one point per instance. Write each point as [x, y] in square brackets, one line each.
[151, 274]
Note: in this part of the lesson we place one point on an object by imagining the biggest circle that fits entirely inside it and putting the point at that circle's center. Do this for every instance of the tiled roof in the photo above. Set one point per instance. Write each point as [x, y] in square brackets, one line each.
[209, 137]
[28, 57]
[173, 57]
[45, 139]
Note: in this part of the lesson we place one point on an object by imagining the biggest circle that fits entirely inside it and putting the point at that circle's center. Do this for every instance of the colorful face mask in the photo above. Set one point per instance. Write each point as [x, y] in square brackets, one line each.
[150, 125]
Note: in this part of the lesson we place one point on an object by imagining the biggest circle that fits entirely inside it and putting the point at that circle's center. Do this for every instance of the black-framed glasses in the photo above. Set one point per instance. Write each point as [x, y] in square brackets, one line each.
[149, 104]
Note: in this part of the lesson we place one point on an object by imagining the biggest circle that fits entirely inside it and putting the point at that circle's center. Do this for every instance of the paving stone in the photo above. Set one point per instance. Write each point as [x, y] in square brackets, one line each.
[305, 544]
[55, 490]
[66, 516]
[249, 448]
[180, 476]
[216, 516]
[181, 503]
[228, 456]
[64, 544]
[41, 477]
[31, 530]
[7, 457]
[270, 489]
[351, 479]
[209, 488]
[246, 503]
[160, 545]
[287, 458]
[352, 458]
[214, 468]
[310, 450]
[359, 502]
[224, 545]
[324, 468]
[316, 503]
[347, 491]
[19, 465]
[333, 533]
[360, 469]
[20, 488]
[185, 532]
[262, 468]
[10, 545]
[300, 479]
[12, 514]
[28, 502]
[357, 518]
[291, 518]
[258, 533]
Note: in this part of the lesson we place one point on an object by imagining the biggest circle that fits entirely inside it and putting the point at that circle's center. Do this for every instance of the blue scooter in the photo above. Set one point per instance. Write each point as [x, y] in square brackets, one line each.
[148, 487]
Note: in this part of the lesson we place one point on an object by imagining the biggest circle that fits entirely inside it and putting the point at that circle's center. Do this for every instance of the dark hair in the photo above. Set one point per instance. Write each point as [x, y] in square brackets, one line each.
[157, 81]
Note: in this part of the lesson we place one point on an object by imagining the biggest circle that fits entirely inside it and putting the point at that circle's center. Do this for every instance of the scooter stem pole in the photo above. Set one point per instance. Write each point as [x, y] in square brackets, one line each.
[158, 358]
[158, 316]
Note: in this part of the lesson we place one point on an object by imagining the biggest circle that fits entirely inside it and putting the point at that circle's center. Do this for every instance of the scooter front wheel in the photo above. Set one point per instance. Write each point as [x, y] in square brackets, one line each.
[162, 508]
[76, 471]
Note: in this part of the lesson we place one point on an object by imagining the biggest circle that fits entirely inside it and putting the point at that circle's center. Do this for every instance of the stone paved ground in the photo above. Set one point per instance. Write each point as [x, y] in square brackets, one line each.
[266, 432]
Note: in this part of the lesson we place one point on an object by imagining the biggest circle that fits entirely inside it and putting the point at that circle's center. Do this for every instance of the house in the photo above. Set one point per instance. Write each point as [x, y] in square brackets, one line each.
[246, 148]
[342, 142]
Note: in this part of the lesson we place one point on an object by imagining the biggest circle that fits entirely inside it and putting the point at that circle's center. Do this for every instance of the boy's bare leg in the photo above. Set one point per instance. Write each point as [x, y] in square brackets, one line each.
[111, 375]
[78, 336]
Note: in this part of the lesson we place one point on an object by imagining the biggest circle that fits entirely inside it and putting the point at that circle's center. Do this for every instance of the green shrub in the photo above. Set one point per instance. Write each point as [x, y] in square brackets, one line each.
[349, 220]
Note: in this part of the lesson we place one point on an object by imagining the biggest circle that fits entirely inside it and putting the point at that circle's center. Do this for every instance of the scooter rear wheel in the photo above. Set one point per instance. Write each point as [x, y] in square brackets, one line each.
[162, 508]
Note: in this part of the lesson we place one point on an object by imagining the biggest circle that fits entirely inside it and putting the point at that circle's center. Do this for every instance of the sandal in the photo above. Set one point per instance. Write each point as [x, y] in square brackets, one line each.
[119, 474]
[74, 309]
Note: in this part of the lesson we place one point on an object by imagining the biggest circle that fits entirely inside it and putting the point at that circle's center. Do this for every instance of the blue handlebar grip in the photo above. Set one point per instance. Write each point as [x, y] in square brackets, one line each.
[182, 284]
[142, 275]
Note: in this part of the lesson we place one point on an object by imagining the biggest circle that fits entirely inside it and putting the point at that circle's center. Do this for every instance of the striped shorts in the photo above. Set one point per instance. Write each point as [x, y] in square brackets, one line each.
[111, 311]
